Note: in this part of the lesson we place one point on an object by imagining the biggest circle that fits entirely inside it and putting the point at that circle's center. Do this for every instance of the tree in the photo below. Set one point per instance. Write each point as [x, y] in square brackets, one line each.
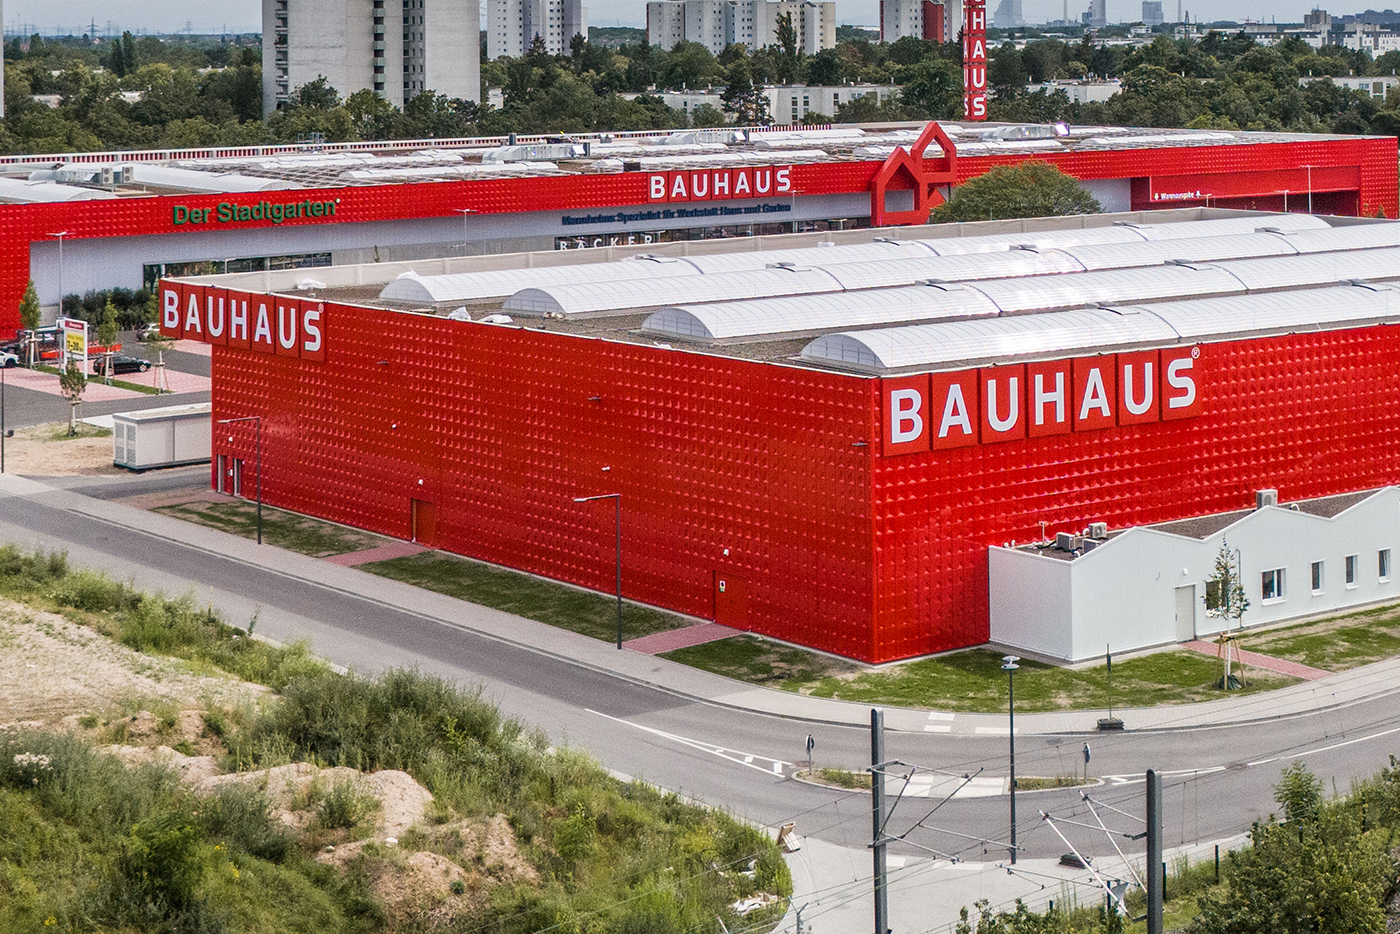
[1299, 793]
[71, 382]
[29, 316]
[1224, 592]
[1031, 189]
[106, 337]
[744, 99]
[789, 59]
[934, 88]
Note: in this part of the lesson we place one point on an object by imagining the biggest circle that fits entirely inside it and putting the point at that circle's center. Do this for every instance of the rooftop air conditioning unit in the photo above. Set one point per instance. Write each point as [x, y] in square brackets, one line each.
[1264, 498]
[1064, 541]
[1098, 531]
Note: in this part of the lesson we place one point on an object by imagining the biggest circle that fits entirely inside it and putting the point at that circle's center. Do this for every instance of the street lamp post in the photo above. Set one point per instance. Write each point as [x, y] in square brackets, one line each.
[60, 235]
[465, 212]
[1009, 666]
[617, 502]
[258, 419]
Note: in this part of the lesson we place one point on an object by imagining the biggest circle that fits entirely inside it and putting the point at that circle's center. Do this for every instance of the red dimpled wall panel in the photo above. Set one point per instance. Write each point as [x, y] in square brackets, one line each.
[1307, 414]
[725, 467]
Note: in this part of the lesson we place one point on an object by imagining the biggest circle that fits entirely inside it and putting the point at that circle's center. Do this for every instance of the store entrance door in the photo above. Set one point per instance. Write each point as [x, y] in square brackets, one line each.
[425, 523]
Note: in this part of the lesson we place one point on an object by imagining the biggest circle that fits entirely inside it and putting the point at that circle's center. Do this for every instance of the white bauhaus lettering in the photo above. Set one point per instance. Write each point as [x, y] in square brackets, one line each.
[678, 186]
[784, 180]
[262, 327]
[700, 185]
[979, 105]
[311, 328]
[1042, 397]
[1178, 378]
[955, 413]
[906, 424]
[741, 184]
[1013, 407]
[721, 184]
[192, 323]
[1095, 397]
[214, 322]
[658, 187]
[287, 326]
[238, 320]
[170, 310]
[979, 77]
[763, 181]
[1135, 406]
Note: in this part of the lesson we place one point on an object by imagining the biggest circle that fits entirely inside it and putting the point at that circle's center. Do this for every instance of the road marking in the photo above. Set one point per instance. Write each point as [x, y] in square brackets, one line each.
[732, 755]
[925, 785]
[1137, 778]
[1294, 755]
[995, 730]
[938, 728]
[935, 715]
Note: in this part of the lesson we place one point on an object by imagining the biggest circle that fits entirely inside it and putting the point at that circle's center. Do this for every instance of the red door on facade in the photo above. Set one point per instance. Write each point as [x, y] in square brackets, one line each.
[425, 523]
[731, 600]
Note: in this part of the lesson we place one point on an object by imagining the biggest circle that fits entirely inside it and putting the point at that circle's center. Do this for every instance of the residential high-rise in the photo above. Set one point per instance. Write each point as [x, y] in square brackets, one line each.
[933, 20]
[1152, 13]
[512, 25]
[396, 48]
[752, 23]
[1098, 14]
[1008, 15]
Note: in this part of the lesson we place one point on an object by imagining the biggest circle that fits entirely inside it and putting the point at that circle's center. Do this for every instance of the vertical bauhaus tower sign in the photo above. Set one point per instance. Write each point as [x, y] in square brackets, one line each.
[975, 59]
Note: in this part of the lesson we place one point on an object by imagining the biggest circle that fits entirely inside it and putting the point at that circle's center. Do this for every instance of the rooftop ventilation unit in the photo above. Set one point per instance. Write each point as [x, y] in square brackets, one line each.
[1064, 541]
[1264, 498]
[1098, 530]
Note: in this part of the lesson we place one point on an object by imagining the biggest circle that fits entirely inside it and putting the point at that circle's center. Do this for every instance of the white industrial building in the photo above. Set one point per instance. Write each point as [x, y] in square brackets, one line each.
[716, 24]
[1079, 92]
[512, 25]
[397, 48]
[787, 103]
[1070, 600]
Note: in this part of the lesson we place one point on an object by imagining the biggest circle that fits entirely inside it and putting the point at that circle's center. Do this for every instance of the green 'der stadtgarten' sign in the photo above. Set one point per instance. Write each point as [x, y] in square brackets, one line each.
[227, 213]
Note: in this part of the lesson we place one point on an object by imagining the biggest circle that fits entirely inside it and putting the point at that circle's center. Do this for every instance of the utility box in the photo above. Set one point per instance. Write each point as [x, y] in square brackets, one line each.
[165, 437]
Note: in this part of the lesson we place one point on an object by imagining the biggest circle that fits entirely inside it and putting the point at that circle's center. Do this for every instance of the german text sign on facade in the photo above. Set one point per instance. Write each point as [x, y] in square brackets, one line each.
[270, 324]
[1005, 403]
[975, 59]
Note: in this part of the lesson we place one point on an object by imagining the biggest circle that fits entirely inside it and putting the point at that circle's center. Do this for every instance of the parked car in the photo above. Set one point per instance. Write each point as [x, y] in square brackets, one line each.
[8, 359]
[146, 331]
[121, 363]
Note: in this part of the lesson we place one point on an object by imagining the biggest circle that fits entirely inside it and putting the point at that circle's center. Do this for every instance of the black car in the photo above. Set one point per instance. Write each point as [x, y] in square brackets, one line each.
[121, 363]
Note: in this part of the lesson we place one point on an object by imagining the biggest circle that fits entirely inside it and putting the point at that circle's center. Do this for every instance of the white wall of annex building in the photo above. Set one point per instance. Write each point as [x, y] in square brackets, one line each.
[1124, 594]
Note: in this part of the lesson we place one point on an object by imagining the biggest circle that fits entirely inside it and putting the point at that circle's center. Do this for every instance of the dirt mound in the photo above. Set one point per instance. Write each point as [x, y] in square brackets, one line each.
[296, 789]
[191, 769]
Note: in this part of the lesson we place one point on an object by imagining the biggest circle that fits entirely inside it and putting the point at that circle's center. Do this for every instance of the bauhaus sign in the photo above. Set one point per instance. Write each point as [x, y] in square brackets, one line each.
[950, 410]
[720, 184]
[271, 324]
[975, 59]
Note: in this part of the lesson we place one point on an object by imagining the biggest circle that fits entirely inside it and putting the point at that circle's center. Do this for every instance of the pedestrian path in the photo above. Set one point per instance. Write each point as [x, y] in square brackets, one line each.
[381, 553]
[1267, 662]
[99, 391]
[683, 638]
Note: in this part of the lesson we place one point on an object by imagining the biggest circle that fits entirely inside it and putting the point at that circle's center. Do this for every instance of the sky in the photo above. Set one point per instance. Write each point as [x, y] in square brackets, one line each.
[245, 16]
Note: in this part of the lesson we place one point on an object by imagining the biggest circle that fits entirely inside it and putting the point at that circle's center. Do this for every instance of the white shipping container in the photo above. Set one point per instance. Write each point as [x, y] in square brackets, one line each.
[165, 437]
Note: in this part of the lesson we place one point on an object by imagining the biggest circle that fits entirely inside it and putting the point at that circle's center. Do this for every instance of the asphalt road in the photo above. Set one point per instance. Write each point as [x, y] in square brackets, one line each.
[1219, 781]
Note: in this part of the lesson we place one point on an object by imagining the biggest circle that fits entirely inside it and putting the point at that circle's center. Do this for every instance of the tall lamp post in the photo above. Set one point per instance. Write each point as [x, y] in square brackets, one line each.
[258, 419]
[60, 235]
[1009, 666]
[617, 501]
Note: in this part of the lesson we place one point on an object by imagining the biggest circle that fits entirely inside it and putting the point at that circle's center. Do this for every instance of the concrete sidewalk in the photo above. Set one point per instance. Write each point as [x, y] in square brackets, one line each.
[1378, 679]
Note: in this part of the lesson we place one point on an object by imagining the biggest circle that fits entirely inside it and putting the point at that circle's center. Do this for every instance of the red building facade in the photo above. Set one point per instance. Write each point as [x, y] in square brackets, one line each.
[784, 482]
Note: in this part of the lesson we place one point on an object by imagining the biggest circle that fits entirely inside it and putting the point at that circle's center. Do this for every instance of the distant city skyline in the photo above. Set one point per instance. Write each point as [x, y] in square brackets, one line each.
[245, 15]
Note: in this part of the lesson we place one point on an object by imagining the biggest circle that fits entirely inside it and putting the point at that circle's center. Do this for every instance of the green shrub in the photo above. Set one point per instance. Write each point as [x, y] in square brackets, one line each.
[164, 862]
[345, 804]
[242, 817]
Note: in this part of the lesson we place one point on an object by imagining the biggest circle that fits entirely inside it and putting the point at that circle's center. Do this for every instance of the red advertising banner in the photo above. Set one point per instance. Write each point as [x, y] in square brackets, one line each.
[975, 59]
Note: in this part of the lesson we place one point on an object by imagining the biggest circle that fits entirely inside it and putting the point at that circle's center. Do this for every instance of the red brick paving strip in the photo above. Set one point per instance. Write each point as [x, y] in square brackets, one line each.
[1267, 662]
[673, 639]
[382, 553]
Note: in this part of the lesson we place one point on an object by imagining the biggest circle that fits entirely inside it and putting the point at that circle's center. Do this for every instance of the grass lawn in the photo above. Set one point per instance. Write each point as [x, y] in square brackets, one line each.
[281, 528]
[972, 680]
[1334, 644]
[759, 661]
[588, 614]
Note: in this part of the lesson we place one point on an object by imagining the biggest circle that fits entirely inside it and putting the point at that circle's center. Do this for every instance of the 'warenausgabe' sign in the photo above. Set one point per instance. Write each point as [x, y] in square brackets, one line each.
[228, 213]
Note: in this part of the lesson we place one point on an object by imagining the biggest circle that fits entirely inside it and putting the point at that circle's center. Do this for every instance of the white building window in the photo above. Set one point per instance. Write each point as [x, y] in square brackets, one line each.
[1383, 564]
[1317, 577]
[1351, 570]
[1271, 585]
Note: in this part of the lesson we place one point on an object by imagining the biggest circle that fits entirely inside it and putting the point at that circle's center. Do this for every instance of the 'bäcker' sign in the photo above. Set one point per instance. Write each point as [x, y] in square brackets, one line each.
[1005, 403]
